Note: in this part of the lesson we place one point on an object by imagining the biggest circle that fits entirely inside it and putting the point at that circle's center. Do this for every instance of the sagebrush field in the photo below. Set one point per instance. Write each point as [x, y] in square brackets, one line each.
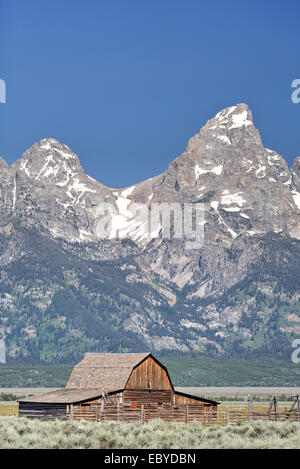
[23, 433]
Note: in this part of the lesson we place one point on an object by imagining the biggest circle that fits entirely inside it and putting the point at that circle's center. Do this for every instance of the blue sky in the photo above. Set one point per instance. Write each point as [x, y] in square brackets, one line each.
[126, 83]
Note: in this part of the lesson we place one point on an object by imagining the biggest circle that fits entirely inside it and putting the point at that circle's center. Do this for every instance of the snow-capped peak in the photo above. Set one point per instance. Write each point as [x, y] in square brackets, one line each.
[47, 159]
[233, 117]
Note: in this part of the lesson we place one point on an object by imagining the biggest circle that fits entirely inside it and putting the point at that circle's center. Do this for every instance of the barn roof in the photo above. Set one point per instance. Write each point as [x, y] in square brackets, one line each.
[64, 396]
[197, 398]
[107, 371]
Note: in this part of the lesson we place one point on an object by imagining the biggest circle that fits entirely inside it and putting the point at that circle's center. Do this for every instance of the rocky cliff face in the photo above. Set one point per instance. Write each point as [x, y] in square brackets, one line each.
[66, 288]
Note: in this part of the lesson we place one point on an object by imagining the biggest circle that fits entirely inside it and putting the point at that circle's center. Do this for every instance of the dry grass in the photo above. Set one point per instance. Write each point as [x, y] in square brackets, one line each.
[8, 409]
[25, 433]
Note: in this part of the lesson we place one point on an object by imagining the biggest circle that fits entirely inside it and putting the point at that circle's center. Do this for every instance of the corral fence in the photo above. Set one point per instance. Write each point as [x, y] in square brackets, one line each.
[177, 414]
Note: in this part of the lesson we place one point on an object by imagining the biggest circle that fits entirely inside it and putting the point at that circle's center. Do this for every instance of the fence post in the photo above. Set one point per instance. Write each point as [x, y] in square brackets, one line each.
[142, 413]
[276, 408]
[118, 407]
[270, 409]
[250, 408]
[102, 405]
[208, 410]
[227, 416]
[71, 412]
[97, 413]
[186, 413]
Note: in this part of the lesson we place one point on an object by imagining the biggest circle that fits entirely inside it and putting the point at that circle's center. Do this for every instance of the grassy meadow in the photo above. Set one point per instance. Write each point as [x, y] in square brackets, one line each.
[28, 434]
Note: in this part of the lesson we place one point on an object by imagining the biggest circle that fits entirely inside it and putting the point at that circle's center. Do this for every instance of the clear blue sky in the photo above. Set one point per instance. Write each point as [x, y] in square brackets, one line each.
[125, 83]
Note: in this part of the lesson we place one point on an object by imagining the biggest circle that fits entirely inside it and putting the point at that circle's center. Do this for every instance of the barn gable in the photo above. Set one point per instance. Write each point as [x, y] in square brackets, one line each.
[149, 374]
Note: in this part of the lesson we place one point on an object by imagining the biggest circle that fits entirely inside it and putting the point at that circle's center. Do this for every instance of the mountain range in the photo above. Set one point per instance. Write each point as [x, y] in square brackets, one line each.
[65, 289]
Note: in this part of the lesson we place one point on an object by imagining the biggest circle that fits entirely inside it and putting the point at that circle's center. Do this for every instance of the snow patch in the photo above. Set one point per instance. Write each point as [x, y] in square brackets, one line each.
[48, 159]
[14, 195]
[85, 235]
[231, 209]
[46, 146]
[79, 188]
[23, 168]
[69, 175]
[216, 170]
[288, 183]
[224, 138]
[261, 172]
[229, 199]
[126, 192]
[252, 233]
[296, 196]
[215, 204]
[273, 158]
[195, 325]
[240, 120]
[64, 154]
[222, 115]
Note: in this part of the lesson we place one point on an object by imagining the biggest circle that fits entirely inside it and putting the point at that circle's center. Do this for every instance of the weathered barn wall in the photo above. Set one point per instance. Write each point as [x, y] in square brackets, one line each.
[149, 375]
[43, 411]
[146, 397]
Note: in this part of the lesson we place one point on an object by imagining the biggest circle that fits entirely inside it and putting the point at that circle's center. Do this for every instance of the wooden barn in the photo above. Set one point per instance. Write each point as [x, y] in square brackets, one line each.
[125, 387]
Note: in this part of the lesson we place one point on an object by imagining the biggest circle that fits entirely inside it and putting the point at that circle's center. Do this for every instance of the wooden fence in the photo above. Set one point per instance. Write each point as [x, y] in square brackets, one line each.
[176, 413]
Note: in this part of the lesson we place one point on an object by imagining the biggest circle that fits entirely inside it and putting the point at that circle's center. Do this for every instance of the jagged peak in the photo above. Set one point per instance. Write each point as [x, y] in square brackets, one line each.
[3, 163]
[295, 172]
[233, 117]
[48, 157]
[296, 161]
[47, 146]
[227, 128]
[49, 140]
[295, 168]
[51, 144]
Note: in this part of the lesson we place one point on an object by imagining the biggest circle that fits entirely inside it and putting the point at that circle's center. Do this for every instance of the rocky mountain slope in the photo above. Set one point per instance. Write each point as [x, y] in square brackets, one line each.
[66, 289]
